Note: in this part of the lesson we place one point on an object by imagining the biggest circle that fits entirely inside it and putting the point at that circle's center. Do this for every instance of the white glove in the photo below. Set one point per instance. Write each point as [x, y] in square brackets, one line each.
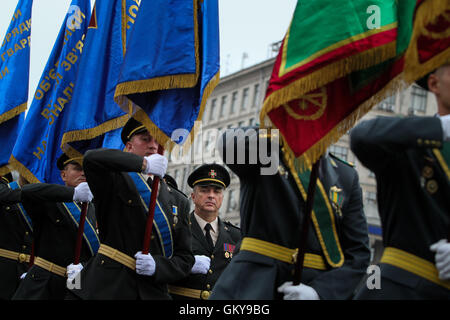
[300, 292]
[82, 193]
[442, 258]
[156, 165]
[73, 270]
[201, 265]
[145, 264]
[23, 276]
[445, 121]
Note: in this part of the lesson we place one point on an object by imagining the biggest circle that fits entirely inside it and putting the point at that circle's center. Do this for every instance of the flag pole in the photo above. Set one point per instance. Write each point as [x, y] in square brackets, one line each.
[303, 238]
[80, 232]
[151, 210]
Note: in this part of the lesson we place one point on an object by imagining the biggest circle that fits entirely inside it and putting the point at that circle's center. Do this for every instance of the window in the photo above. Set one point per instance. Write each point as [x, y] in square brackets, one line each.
[371, 174]
[340, 152]
[241, 124]
[387, 104]
[255, 95]
[232, 201]
[213, 109]
[233, 102]
[371, 197]
[222, 106]
[252, 122]
[244, 99]
[419, 99]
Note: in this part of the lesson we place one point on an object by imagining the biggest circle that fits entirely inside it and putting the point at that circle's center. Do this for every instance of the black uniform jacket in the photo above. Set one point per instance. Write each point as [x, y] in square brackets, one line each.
[54, 234]
[413, 193]
[15, 235]
[271, 209]
[220, 257]
[121, 220]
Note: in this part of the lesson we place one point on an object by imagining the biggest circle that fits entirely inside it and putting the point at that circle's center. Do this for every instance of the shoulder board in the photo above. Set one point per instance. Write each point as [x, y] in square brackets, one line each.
[340, 160]
[4, 180]
[228, 223]
[182, 193]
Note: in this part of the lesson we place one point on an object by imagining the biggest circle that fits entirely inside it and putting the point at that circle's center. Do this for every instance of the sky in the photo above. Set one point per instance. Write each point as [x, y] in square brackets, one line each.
[246, 27]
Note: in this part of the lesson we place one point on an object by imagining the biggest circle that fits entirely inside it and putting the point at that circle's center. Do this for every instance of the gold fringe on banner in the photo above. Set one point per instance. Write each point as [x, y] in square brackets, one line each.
[87, 134]
[8, 115]
[164, 82]
[4, 170]
[320, 147]
[23, 171]
[427, 13]
[326, 75]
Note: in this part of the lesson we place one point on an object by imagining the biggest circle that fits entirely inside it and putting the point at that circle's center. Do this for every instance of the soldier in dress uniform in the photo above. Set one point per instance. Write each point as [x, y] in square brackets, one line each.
[213, 240]
[53, 210]
[121, 183]
[410, 158]
[337, 251]
[15, 238]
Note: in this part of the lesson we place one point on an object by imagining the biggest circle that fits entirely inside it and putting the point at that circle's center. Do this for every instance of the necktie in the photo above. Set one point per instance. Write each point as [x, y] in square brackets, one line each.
[208, 236]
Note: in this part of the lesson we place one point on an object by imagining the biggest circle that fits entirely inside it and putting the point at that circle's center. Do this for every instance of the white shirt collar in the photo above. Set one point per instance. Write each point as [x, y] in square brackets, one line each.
[202, 223]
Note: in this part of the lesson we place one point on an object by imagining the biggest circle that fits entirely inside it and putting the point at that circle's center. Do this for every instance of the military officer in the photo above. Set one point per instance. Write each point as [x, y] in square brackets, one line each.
[121, 182]
[213, 240]
[410, 158]
[15, 238]
[55, 212]
[272, 214]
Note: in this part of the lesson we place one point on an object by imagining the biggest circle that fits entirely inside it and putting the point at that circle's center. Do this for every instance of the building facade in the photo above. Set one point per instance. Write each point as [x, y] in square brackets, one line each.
[237, 102]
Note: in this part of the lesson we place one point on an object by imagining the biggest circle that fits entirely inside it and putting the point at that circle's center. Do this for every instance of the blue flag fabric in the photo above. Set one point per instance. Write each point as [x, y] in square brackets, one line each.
[38, 146]
[14, 74]
[169, 76]
[96, 119]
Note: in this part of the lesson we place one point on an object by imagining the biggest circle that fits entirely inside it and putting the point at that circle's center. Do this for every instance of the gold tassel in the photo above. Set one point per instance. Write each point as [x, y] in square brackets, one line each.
[427, 13]
[87, 134]
[326, 75]
[8, 115]
[23, 171]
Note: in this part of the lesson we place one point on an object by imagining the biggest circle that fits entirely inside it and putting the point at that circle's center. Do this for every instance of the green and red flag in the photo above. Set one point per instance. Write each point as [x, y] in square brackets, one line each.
[340, 58]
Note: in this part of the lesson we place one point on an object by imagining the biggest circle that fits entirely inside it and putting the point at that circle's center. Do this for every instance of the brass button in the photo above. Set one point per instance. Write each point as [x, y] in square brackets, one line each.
[102, 262]
[210, 271]
[22, 257]
[208, 286]
[24, 247]
[419, 141]
[57, 220]
[8, 208]
[27, 233]
[205, 295]
[212, 256]
[130, 201]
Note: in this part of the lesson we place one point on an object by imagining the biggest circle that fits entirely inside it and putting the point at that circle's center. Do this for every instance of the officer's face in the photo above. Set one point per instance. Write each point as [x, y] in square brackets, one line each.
[142, 144]
[207, 199]
[73, 175]
[439, 84]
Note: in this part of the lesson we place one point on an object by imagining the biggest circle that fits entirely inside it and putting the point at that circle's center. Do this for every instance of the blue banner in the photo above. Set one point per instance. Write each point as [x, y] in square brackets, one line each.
[14, 74]
[169, 76]
[96, 120]
[38, 146]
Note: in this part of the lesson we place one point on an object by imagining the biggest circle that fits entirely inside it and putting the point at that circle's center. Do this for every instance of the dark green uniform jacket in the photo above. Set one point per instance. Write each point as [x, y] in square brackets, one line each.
[224, 250]
[54, 234]
[271, 209]
[413, 197]
[16, 236]
[121, 220]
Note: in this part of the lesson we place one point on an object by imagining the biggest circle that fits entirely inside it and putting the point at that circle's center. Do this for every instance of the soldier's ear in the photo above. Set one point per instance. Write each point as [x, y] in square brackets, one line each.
[63, 175]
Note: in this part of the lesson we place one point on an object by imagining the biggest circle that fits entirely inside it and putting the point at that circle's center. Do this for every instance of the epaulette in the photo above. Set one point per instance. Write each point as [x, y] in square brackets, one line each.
[4, 180]
[343, 161]
[182, 193]
[228, 223]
